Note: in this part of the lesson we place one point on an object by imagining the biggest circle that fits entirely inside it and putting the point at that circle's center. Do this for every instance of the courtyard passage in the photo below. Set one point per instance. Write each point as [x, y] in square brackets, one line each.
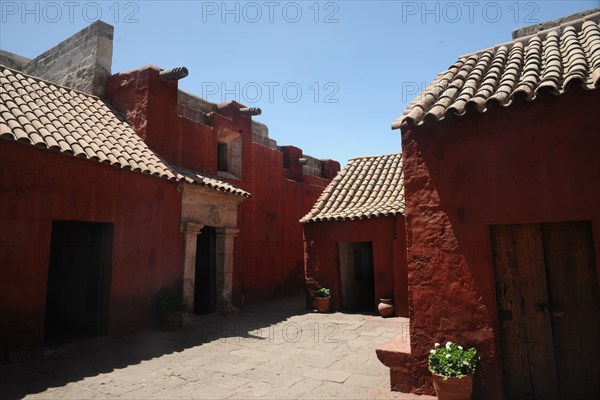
[271, 350]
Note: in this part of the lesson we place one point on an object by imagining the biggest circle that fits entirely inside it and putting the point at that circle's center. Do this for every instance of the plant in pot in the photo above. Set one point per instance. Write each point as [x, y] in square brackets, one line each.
[170, 306]
[452, 368]
[323, 300]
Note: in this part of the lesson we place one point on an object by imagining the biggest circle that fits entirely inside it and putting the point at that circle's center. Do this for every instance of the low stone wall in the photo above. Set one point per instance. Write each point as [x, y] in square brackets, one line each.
[197, 108]
[194, 107]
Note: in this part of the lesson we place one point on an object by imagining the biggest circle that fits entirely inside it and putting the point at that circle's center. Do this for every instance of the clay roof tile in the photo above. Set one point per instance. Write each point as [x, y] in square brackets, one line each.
[554, 60]
[366, 187]
[46, 115]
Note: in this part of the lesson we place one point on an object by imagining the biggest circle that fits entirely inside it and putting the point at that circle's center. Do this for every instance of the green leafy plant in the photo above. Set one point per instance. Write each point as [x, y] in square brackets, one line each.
[167, 301]
[323, 292]
[452, 360]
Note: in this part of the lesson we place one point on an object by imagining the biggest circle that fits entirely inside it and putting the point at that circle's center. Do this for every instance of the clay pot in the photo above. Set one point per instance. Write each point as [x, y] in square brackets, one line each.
[322, 304]
[385, 308]
[170, 321]
[453, 388]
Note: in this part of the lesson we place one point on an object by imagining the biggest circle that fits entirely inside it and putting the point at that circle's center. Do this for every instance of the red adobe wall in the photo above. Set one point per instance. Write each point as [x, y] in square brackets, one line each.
[150, 106]
[147, 241]
[269, 249]
[530, 162]
[387, 234]
[268, 260]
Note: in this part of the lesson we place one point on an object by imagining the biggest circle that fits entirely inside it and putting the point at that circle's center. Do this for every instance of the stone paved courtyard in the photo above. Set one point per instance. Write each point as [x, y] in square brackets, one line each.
[272, 350]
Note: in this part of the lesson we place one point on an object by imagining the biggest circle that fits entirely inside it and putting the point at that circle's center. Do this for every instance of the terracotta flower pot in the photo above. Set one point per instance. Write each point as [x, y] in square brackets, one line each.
[385, 308]
[322, 304]
[453, 388]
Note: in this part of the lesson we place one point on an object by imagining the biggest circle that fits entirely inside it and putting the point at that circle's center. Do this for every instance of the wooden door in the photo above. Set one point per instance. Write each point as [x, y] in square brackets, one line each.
[78, 291]
[574, 307]
[547, 291]
[527, 346]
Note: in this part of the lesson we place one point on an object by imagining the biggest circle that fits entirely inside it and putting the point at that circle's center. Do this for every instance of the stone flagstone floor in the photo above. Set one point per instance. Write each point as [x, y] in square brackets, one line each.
[271, 350]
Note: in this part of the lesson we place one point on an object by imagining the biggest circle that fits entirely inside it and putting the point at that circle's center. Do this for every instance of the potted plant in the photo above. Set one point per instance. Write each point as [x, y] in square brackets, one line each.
[170, 306]
[322, 300]
[452, 368]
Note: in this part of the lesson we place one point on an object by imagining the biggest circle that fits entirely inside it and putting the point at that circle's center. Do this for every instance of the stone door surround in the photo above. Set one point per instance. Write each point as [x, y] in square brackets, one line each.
[224, 264]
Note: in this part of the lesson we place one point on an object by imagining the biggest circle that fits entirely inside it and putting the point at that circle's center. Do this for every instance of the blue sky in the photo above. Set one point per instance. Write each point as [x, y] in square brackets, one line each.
[330, 76]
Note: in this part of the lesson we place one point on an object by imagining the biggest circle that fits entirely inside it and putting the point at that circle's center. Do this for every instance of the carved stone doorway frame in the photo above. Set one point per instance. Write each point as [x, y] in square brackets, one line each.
[207, 207]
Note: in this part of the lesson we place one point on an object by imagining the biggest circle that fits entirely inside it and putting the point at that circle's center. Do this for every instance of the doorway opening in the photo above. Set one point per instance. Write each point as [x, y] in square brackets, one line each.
[205, 284]
[78, 290]
[356, 269]
[549, 309]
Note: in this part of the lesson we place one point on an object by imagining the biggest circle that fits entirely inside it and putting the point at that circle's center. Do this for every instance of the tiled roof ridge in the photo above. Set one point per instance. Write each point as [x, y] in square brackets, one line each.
[373, 156]
[552, 60]
[117, 113]
[52, 117]
[542, 34]
[366, 187]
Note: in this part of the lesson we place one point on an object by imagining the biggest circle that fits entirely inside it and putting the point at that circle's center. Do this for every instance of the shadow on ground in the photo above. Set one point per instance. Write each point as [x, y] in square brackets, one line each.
[77, 361]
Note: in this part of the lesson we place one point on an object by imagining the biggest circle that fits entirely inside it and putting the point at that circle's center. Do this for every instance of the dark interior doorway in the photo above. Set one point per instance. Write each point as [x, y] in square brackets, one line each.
[356, 269]
[205, 284]
[78, 281]
[549, 308]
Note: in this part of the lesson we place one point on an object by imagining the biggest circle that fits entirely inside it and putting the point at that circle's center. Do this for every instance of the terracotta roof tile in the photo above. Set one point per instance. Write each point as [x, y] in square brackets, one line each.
[52, 117]
[366, 187]
[551, 60]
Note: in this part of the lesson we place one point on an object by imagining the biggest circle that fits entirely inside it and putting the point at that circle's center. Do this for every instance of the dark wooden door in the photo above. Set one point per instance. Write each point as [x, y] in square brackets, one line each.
[78, 291]
[363, 275]
[547, 291]
[574, 307]
[521, 288]
[205, 285]
[356, 270]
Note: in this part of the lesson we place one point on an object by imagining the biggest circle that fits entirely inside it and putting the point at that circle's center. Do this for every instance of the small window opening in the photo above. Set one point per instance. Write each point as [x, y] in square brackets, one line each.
[222, 157]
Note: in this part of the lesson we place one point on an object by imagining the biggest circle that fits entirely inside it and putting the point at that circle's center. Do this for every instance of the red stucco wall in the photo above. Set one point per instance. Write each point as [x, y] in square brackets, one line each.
[268, 259]
[39, 186]
[387, 235]
[531, 162]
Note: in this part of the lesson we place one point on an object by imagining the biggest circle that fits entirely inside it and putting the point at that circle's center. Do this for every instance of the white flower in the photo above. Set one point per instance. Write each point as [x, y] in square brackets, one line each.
[437, 345]
[448, 345]
[432, 351]
[460, 347]
[466, 362]
[447, 355]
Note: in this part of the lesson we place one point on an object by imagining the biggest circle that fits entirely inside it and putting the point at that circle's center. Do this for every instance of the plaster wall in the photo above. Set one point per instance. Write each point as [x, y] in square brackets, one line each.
[147, 242]
[322, 262]
[268, 250]
[531, 162]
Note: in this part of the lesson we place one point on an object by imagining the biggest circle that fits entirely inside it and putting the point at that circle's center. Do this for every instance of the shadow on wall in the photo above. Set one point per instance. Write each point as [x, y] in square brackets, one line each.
[82, 360]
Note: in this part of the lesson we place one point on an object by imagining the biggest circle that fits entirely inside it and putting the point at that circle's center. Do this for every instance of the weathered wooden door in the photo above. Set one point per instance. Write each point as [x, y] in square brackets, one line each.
[549, 308]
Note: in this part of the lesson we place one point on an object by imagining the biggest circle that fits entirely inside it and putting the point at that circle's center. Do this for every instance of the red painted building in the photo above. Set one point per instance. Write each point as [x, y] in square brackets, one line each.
[501, 166]
[87, 209]
[355, 238]
[221, 140]
[126, 185]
